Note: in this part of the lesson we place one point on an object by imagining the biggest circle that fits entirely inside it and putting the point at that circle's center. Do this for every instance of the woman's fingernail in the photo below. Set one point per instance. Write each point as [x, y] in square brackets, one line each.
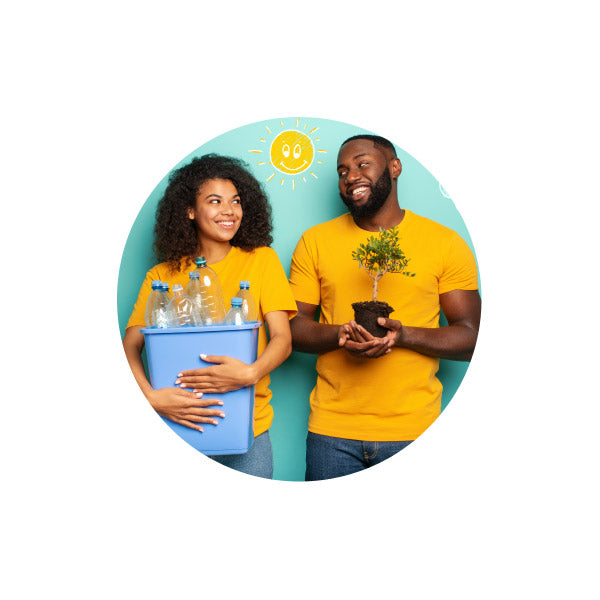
[179, 374]
[203, 356]
[199, 394]
[200, 429]
[221, 414]
[215, 422]
[220, 403]
[178, 381]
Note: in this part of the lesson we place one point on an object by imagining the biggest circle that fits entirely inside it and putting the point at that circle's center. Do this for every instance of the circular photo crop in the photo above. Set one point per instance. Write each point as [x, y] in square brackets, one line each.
[299, 299]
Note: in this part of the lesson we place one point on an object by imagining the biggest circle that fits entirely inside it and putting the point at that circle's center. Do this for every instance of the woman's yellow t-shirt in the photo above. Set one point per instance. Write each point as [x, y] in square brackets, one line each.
[269, 287]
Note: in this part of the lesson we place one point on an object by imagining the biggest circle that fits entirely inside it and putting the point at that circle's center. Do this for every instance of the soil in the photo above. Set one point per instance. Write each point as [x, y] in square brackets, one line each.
[367, 313]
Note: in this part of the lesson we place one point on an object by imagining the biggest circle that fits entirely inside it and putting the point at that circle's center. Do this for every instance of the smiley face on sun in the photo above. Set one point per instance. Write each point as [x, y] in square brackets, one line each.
[292, 152]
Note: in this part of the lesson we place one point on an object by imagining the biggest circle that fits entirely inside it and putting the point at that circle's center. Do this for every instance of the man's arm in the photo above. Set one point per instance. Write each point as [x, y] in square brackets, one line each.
[456, 341]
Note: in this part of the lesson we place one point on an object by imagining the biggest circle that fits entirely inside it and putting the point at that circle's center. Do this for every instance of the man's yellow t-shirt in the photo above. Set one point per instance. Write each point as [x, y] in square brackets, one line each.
[397, 396]
[269, 287]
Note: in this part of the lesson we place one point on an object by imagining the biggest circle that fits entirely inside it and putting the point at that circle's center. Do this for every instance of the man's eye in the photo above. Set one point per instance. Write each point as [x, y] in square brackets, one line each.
[341, 173]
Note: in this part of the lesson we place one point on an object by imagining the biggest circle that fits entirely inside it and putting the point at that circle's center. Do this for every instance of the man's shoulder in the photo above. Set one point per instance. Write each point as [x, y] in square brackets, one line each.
[432, 230]
[330, 227]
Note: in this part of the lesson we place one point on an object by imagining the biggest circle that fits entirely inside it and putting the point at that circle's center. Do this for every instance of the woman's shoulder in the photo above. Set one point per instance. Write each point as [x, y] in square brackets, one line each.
[260, 252]
[166, 270]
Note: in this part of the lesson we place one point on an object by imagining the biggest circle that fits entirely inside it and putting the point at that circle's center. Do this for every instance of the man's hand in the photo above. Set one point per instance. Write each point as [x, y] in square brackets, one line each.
[360, 343]
[395, 330]
[226, 375]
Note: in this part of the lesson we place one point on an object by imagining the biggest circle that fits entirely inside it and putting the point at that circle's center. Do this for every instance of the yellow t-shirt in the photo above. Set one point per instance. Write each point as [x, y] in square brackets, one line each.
[397, 396]
[269, 287]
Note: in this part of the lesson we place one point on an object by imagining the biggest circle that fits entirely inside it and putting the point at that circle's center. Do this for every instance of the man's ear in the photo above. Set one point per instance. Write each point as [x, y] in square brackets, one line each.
[395, 168]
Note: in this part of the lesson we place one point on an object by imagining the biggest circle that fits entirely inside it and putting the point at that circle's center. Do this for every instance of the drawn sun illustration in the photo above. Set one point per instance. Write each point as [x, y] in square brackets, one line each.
[291, 152]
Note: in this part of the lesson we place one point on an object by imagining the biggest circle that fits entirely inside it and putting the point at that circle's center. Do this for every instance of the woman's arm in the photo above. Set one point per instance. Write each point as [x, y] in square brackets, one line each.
[181, 406]
[229, 374]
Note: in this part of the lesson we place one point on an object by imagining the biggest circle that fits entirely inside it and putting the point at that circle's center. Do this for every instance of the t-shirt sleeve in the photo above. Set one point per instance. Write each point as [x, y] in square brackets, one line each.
[460, 270]
[275, 290]
[304, 280]
[138, 315]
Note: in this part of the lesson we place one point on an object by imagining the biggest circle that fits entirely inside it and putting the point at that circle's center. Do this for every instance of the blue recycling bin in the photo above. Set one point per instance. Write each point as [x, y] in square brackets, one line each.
[172, 350]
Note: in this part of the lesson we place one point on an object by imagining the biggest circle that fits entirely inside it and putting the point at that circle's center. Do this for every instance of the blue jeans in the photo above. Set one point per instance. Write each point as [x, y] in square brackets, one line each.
[258, 461]
[328, 457]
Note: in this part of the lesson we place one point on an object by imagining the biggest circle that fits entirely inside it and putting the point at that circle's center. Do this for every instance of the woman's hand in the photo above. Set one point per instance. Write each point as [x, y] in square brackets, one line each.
[226, 375]
[185, 408]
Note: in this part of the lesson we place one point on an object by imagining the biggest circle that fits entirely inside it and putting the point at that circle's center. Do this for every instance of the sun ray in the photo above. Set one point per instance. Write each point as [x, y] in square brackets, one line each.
[282, 180]
[262, 139]
[267, 129]
[322, 151]
[256, 151]
[314, 175]
[281, 123]
[293, 184]
[313, 129]
[303, 178]
[297, 121]
[272, 175]
[264, 163]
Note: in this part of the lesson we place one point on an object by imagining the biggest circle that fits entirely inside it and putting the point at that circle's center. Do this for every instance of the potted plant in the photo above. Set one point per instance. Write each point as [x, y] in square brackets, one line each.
[379, 255]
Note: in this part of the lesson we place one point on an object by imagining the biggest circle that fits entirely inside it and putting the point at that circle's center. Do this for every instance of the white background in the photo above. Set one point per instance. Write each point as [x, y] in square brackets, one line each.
[498, 499]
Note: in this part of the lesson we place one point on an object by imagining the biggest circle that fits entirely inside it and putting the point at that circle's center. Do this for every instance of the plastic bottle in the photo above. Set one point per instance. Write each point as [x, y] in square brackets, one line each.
[159, 308]
[194, 291]
[212, 292]
[180, 311]
[236, 316]
[150, 302]
[249, 304]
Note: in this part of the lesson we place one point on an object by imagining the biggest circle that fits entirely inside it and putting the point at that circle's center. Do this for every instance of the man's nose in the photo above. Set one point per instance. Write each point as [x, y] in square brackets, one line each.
[352, 175]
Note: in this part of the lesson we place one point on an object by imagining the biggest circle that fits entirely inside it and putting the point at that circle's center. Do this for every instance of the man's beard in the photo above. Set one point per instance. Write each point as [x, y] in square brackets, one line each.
[377, 197]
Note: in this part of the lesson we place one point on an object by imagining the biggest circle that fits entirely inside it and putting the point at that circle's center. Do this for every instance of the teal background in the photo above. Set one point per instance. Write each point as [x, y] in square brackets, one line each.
[294, 210]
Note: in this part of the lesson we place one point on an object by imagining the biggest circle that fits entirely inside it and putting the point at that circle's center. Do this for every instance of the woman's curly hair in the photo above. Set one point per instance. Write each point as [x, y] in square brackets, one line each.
[176, 235]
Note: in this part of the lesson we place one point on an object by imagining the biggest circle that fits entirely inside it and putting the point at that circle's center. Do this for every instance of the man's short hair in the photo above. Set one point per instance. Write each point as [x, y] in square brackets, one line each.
[379, 141]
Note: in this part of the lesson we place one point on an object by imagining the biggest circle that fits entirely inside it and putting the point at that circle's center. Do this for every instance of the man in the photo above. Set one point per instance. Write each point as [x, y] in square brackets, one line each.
[375, 395]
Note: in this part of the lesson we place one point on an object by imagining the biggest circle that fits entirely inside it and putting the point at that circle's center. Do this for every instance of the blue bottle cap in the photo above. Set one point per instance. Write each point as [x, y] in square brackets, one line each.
[156, 284]
[164, 286]
[244, 285]
[236, 301]
[200, 260]
[194, 275]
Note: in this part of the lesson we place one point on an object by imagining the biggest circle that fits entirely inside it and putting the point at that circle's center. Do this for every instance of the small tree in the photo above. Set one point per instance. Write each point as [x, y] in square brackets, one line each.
[381, 254]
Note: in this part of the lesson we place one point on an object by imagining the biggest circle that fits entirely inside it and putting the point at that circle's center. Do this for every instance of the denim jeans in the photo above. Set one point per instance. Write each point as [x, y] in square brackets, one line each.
[328, 457]
[258, 461]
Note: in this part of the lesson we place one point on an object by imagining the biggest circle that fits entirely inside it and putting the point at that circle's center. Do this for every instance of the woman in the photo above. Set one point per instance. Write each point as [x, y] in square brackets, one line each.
[214, 208]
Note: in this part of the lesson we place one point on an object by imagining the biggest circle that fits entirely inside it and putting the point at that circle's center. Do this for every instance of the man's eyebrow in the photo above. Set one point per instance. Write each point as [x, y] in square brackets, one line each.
[353, 158]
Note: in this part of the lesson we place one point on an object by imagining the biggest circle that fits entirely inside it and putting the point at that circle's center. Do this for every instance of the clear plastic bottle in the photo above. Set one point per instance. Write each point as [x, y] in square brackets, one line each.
[249, 304]
[180, 311]
[150, 302]
[159, 308]
[194, 291]
[236, 315]
[212, 292]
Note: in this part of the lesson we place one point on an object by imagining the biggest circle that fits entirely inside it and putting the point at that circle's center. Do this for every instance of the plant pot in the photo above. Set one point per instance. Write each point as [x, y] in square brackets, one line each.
[367, 313]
